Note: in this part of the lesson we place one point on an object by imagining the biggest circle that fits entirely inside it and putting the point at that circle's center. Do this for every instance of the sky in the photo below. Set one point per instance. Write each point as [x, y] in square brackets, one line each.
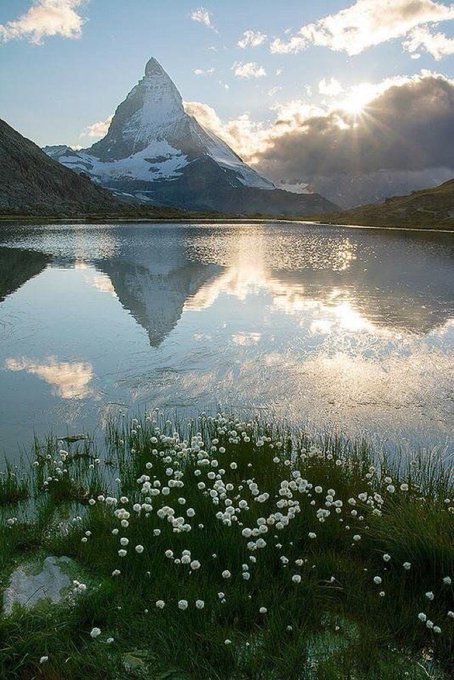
[255, 71]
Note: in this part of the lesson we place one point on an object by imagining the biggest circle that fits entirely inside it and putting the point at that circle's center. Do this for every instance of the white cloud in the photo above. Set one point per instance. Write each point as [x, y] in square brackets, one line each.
[364, 24]
[436, 44]
[251, 39]
[330, 88]
[293, 114]
[203, 72]
[268, 145]
[248, 70]
[203, 16]
[242, 133]
[98, 129]
[45, 18]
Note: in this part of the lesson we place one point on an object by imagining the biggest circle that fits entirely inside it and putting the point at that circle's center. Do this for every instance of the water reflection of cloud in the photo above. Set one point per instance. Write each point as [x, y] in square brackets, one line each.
[80, 264]
[70, 380]
[246, 339]
[249, 274]
[98, 280]
[103, 283]
[394, 394]
[385, 286]
[412, 386]
[245, 279]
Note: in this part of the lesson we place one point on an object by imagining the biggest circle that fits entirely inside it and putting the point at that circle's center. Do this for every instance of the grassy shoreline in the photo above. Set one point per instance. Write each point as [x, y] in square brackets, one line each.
[225, 549]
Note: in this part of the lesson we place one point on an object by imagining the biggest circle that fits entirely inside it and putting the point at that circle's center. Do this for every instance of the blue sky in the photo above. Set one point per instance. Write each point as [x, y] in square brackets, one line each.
[54, 90]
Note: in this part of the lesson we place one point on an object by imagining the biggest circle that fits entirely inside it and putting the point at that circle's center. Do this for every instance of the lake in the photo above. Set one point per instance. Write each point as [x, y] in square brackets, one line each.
[328, 327]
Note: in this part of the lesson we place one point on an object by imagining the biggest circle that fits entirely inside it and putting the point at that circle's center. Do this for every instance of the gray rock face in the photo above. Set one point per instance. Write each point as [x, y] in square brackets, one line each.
[158, 153]
[33, 183]
[28, 589]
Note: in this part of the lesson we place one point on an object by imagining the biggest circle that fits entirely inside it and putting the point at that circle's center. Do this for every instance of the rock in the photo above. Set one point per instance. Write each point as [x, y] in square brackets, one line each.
[72, 438]
[28, 588]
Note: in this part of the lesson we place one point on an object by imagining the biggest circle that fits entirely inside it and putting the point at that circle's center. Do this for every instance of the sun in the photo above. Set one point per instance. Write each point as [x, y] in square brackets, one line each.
[357, 99]
[354, 106]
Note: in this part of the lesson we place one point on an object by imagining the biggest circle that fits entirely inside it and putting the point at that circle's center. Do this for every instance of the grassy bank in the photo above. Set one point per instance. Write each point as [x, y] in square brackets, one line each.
[226, 549]
[429, 208]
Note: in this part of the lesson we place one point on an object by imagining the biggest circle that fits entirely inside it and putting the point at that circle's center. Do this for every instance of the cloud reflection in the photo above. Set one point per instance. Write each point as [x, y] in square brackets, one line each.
[70, 380]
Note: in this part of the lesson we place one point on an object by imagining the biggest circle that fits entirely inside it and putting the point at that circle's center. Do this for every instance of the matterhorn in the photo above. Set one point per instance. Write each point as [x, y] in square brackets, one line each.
[158, 154]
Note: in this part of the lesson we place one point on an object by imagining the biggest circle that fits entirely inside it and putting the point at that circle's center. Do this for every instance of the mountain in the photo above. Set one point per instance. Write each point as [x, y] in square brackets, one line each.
[158, 153]
[350, 190]
[430, 208]
[33, 183]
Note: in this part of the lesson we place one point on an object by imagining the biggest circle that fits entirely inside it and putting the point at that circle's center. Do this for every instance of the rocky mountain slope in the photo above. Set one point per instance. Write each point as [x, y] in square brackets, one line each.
[429, 208]
[161, 155]
[33, 183]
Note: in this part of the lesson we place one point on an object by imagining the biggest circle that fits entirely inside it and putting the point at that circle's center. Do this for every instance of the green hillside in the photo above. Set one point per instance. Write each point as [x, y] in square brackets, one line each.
[426, 209]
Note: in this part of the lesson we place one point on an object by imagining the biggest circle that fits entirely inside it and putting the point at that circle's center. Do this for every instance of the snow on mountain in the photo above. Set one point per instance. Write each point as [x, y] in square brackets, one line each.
[157, 152]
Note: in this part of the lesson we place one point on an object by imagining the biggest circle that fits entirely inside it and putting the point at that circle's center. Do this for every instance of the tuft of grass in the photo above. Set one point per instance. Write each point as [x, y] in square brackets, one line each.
[13, 488]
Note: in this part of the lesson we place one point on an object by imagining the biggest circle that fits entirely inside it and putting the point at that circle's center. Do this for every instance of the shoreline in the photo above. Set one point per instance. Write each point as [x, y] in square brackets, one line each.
[142, 220]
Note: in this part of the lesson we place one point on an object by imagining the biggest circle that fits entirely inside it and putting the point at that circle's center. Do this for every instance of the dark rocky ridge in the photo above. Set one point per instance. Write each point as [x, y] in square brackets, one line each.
[32, 183]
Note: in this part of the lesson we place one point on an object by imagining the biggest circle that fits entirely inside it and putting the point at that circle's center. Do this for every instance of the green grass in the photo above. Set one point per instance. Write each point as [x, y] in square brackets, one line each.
[332, 621]
[13, 488]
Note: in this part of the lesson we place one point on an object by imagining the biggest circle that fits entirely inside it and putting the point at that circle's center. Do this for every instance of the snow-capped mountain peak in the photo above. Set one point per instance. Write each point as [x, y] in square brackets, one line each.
[160, 154]
[149, 113]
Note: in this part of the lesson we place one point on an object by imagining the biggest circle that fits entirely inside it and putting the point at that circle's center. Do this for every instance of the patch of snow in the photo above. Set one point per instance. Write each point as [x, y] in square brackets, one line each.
[140, 166]
[226, 158]
[162, 107]
[296, 188]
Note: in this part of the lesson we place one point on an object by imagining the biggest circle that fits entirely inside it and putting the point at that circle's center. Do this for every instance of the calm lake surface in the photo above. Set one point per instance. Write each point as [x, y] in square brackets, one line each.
[325, 326]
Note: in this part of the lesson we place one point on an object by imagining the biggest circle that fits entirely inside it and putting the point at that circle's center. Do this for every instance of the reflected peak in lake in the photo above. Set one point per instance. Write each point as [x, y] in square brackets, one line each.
[322, 325]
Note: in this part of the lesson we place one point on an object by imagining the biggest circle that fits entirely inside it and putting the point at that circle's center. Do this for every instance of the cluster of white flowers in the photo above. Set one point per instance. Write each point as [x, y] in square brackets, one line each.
[78, 588]
[264, 517]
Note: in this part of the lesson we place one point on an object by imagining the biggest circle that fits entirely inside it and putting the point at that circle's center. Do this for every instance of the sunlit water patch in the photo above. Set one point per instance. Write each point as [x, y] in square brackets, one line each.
[324, 326]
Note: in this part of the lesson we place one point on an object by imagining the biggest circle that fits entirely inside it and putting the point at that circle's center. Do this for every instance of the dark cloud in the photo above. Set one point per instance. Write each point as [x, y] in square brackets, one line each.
[408, 127]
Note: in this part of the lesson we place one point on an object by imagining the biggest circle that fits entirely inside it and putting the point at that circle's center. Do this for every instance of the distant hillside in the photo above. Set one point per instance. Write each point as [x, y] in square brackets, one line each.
[428, 209]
